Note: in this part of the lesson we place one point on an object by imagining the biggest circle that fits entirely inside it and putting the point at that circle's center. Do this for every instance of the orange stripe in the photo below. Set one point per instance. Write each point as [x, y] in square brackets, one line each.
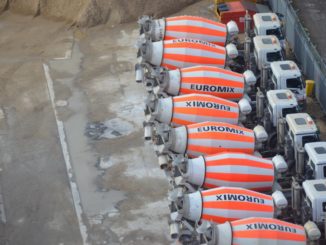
[221, 136]
[180, 121]
[211, 68]
[238, 162]
[196, 30]
[195, 18]
[171, 67]
[197, 97]
[240, 177]
[266, 234]
[207, 112]
[216, 219]
[211, 150]
[265, 220]
[193, 59]
[226, 190]
[233, 205]
[213, 81]
[222, 95]
[166, 38]
[214, 48]
[259, 189]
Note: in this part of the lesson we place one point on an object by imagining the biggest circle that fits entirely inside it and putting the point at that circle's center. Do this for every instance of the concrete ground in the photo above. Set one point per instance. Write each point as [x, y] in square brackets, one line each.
[94, 124]
[73, 165]
[312, 13]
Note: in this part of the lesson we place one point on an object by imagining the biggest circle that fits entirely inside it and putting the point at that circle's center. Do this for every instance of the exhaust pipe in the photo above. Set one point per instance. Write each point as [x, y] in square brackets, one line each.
[264, 78]
[300, 161]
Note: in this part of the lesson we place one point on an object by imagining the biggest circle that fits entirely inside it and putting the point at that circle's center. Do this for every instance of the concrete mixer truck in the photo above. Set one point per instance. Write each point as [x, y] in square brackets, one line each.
[205, 138]
[188, 27]
[184, 52]
[194, 108]
[227, 169]
[220, 205]
[197, 79]
[257, 230]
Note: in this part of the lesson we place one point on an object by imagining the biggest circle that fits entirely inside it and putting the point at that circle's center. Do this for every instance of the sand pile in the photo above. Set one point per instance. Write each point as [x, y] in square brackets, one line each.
[93, 12]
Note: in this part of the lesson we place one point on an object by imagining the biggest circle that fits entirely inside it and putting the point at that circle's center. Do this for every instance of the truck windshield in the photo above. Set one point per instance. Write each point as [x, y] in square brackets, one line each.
[309, 138]
[286, 111]
[277, 32]
[294, 83]
[274, 56]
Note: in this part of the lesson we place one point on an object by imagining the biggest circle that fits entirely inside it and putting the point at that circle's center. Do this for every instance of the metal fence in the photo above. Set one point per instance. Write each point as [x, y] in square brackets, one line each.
[306, 54]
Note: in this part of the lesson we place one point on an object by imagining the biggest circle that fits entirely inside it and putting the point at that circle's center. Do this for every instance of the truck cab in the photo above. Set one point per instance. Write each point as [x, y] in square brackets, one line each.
[314, 201]
[301, 129]
[279, 104]
[287, 75]
[268, 24]
[316, 159]
[267, 49]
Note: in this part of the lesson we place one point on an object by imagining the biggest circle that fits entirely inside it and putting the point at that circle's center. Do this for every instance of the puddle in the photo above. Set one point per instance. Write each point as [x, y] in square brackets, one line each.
[111, 129]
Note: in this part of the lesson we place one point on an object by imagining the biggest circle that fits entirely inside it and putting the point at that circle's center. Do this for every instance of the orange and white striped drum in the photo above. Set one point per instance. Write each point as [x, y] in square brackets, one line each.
[186, 52]
[224, 204]
[195, 27]
[212, 80]
[267, 231]
[231, 170]
[214, 137]
[194, 108]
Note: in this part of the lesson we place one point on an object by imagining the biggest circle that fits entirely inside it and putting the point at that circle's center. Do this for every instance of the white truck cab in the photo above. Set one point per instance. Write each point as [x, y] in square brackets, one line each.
[287, 75]
[267, 49]
[301, 129]
[280, 103]
[268, 24]
[316, 159]
[314, 201]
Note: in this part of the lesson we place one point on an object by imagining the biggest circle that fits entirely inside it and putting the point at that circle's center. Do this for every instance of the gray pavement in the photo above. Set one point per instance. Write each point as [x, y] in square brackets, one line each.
[313, 16]
[73, 165]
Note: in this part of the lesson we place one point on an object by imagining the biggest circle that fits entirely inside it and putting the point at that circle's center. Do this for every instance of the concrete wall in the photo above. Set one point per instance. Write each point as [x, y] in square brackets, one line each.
[93, 12]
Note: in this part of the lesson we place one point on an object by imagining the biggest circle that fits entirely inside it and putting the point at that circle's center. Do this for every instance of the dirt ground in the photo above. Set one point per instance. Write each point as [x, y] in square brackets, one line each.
[73, 165]
[89, 13]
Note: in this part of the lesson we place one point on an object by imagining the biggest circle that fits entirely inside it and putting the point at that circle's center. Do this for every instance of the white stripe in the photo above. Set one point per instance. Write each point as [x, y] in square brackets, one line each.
[195, 52]
[64, 147]
[213, 75]
[299, 229]
[246, 132]
[247, 185]
[236, 214]
[239, 156]
[268, 201]
[209, 38]
[188, 86]
[219, 143]
[238, 169]
[183, 104]
[218, 26]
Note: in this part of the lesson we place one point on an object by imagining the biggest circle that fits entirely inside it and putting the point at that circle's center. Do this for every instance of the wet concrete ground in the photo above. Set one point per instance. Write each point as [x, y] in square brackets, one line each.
[73, 165]
[121, 189]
